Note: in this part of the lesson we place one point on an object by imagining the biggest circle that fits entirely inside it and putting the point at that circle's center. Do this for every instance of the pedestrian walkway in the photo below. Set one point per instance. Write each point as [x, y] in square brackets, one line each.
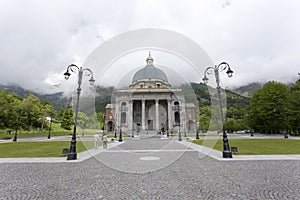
[135, 148]
[159, 169]
[144, 155]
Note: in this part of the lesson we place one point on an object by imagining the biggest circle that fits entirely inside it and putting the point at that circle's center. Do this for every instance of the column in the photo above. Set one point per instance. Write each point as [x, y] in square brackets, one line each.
[117, 117]
[183, 116]
[169, 115]
[130, 115]
[143, 114]
[156, 115]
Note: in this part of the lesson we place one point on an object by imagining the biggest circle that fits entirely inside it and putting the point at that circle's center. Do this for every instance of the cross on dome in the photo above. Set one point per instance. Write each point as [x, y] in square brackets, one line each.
[149, 60]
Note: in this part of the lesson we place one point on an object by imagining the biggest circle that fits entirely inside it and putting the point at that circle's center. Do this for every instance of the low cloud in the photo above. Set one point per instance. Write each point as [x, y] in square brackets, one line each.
[40, 39]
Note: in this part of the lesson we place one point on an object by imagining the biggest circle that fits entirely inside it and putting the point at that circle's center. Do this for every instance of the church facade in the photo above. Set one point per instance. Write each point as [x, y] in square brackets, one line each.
[150, 105]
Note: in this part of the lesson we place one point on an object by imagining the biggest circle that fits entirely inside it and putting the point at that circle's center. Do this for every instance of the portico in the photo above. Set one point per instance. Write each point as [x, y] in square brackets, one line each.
[146, 112]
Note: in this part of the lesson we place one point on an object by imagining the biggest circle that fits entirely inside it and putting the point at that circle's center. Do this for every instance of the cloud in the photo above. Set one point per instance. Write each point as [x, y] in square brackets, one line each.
[39, 39]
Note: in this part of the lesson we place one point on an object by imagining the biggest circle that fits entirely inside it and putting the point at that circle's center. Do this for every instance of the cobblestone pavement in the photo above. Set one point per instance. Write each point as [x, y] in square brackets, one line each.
[189, 177]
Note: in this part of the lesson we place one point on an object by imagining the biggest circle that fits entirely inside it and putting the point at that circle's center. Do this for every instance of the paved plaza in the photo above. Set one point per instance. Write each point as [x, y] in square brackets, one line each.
[151, 169]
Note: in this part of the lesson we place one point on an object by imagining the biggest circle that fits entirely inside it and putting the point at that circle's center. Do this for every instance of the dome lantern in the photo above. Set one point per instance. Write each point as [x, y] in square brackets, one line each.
[149, 60]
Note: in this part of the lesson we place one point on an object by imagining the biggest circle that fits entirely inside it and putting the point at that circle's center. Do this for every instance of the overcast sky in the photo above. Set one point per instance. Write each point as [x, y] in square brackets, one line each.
[39, 39]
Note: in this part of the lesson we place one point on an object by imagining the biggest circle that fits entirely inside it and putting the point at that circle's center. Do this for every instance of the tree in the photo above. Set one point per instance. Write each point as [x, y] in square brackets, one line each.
[204, 121]
[205, 110]
[268, 107]
[67, 119]
[25, 113]
[94, 122]
[294, 108]
[32, 113]
[230, 125]
[9, 106]
[47, 110]
[100, 117]
[82, 120]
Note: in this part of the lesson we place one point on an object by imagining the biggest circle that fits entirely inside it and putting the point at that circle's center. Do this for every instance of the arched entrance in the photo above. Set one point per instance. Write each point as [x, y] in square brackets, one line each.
[110, 126]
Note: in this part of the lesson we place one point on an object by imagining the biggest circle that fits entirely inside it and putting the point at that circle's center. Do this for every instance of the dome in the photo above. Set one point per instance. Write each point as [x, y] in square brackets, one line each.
[150, 72]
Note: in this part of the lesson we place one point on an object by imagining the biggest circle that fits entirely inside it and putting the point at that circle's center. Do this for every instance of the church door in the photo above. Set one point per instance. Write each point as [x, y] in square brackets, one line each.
[150, 124]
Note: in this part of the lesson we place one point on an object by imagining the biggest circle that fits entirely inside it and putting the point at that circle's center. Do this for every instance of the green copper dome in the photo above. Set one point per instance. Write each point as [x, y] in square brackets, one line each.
[150, 72]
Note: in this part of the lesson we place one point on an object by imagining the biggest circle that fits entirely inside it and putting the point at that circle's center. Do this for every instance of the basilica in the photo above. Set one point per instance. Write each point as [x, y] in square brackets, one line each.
[150, 105]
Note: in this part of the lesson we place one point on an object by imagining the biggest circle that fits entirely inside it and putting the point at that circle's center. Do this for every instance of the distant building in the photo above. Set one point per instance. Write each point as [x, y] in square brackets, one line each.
[150, 105]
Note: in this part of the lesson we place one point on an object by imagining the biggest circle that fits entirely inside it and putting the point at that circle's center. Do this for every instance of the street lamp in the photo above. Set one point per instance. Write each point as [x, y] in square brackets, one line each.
[178, 110]
[197, 130]
[73, 68]
[104, 124]
[197, 134]
[179, 135]
[17, 126]
[179, 132]
[132, 133]
[49, 135]
[120, 136]
[250, 122]
[226, 149]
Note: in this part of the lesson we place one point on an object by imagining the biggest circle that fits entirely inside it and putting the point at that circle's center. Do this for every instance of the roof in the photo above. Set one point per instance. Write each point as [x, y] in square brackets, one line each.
[150, 72]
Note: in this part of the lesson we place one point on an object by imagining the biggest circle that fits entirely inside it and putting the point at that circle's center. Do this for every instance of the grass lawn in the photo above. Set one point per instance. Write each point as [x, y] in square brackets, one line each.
[259, 146]
[43, 133]
[34, 134]
[40, 149]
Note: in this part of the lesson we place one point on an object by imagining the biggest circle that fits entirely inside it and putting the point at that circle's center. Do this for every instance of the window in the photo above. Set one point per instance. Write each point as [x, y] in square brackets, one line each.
[123, 118]
[123, 106]
[177, 118]
[176, 105]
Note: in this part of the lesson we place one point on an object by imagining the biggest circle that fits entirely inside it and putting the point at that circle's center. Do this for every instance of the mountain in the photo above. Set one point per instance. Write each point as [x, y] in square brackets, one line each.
[56, 99]
[247, 90]
[233, 99]
[104, 94]
[15, 89]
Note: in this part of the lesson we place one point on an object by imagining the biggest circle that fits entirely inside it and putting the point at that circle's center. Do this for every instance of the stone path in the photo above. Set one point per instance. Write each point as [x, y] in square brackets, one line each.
[190, 176]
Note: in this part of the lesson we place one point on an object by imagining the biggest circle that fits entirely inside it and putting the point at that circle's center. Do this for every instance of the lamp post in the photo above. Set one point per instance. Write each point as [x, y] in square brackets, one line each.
[184, 127]
[177, 109]
[103, 124]
[179, 132]
[17, 126]
[197, 134]
[74, 68]
[222, 66]
[120, 136]
[197, 131]
[49, 133]
[179, 135]
[132, 133]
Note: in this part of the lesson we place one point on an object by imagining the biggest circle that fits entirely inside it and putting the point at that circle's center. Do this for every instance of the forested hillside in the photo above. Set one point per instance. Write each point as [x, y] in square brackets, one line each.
[58, 106]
